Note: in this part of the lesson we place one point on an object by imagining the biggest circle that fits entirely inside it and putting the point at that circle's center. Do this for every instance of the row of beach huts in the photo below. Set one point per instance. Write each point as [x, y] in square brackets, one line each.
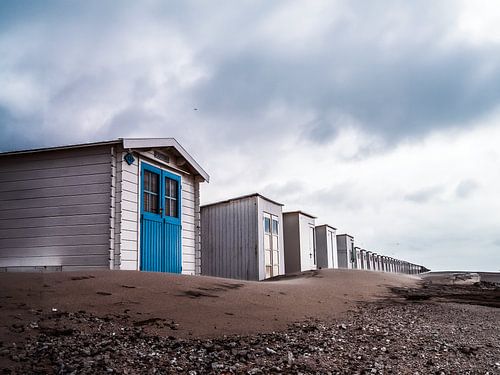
[134, 204]
[250, 238]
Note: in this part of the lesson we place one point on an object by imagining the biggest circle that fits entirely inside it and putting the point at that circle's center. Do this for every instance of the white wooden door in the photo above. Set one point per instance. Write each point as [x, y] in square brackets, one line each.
[312, 247]
[271, 245]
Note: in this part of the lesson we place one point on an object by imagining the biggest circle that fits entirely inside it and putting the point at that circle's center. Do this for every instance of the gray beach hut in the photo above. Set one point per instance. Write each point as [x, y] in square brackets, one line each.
[242, 238]
[300, 241]
[345, 251]
[128, 204]
[326, 246]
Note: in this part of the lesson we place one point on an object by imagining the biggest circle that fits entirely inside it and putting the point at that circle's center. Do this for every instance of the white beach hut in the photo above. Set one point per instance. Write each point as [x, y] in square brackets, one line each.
[130, 204]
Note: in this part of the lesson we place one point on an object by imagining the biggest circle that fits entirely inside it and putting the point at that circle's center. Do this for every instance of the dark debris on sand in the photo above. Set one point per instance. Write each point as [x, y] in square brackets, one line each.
[412, 336]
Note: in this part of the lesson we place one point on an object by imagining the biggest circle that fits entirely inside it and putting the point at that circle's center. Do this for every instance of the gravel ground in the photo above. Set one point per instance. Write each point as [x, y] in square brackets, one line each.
[392, 336]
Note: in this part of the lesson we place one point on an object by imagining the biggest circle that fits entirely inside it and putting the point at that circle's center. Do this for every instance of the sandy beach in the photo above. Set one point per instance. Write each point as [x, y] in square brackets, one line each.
[199, 306]
[335, 321]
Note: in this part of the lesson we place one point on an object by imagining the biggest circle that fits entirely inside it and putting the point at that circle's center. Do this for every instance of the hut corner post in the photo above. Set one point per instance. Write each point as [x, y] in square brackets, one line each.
[112, 214]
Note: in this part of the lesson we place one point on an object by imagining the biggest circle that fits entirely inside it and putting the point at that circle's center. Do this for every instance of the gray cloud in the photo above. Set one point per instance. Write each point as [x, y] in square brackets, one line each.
[355, 69]
[466, 188]
[425, 195]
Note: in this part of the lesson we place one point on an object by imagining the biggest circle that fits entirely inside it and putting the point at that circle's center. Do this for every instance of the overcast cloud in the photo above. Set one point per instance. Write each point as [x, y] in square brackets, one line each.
[381, 118]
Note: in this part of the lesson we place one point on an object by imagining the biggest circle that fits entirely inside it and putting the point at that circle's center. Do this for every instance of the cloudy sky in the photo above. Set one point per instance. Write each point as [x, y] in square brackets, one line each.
[381, 118]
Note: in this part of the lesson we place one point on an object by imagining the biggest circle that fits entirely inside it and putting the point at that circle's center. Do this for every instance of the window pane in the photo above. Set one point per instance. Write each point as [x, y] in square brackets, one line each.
[174, 208]
[171, 188]
[267, 257]
[146, 180]
[267, 242]
[267, 225]
[167, 187]
[151, 182]
[275, 226]
[167, 207]
[154, 203]
[171, 195]
[146, 202]
[150, 194]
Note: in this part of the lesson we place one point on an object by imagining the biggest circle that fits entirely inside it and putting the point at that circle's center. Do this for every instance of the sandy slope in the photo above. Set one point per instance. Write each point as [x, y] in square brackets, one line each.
[197, 306]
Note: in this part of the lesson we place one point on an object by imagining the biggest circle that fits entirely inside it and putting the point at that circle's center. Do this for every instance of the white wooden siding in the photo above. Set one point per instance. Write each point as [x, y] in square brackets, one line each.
[54, 209]
[127, 227]
[127, 214]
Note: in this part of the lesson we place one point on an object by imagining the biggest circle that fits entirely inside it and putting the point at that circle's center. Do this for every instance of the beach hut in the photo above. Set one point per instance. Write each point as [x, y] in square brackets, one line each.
[362, 256]
[376, 260]
[383, 260]
[369, 255]
[357, 263]
[392, 264]
[242, 238]
[300, 241]
[368, 265]
[129, 204]
[345, 251]
[326, 246]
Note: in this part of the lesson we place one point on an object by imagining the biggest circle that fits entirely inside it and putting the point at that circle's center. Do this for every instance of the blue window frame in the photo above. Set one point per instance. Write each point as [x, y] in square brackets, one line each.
[171, 197]
[161, 194]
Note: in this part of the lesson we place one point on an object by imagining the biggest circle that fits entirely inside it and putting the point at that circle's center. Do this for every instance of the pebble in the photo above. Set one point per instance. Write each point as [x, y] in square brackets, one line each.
[384, 342]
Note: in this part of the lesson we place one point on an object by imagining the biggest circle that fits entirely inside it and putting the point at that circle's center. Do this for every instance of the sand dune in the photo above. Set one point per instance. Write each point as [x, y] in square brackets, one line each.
[191, 305]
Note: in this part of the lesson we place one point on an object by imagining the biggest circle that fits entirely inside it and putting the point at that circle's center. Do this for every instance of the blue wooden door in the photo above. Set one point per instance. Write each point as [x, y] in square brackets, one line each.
[160, 220]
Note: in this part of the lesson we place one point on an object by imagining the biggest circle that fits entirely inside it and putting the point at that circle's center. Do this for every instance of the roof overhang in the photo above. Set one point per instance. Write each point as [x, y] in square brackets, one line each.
[146, 143]
[326, 225]
[242, 197]
[129, 144]
[299, 212]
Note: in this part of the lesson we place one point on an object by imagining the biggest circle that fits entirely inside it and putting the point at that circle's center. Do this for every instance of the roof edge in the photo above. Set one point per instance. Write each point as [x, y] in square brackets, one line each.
[326, 225]
[300, 212]
[58, 148]
[134, 143]
[128, 143]
[240, 198]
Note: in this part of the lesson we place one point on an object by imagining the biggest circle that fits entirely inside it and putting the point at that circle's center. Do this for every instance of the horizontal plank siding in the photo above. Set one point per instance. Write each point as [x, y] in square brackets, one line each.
[55, 209]
[49, 261]
[188, 213]
[79, 209]
[66, 200]
[42, 222]
[229, 239]
[127, 218]
[61, 158]
[54, 251]
[55, 230]
[42, 174]
[60, 191]
[97, 178]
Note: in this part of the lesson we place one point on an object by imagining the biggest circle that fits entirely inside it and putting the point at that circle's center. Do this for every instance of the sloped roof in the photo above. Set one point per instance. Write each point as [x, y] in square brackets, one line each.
[299, 212]
[242, 197]
[128, 143]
